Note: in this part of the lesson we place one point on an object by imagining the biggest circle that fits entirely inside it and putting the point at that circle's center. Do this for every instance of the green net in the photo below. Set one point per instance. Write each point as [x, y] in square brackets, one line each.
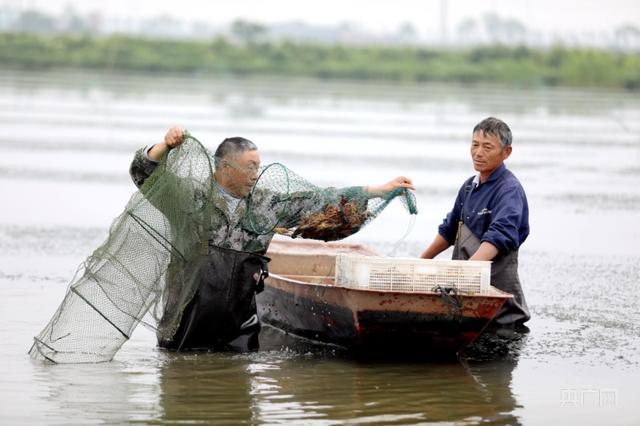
[138, 270]
[145, 271]
[341, 212]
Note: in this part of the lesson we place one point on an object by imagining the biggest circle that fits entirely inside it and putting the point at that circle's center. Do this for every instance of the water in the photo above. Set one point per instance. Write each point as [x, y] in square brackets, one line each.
[66, 143]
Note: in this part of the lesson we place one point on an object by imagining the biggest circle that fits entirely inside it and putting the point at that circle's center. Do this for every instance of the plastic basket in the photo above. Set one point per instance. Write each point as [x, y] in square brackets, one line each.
[412, 275]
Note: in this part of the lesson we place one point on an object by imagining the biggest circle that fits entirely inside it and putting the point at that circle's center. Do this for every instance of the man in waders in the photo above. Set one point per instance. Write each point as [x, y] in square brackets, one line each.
[490, 219]
[222, 312]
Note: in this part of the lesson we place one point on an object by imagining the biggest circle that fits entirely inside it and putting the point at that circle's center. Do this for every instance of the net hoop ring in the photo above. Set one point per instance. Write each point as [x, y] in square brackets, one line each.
[285, 200]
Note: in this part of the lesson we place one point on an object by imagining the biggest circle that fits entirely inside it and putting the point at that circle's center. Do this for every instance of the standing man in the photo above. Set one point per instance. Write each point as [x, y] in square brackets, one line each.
[490, 218]
[222, 307]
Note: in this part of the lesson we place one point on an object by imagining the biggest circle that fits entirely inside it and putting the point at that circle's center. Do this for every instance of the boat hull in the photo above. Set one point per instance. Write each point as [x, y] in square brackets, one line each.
[363, 319]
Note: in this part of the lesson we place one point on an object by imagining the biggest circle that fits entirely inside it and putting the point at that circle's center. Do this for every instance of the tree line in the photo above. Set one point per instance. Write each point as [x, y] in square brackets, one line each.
[557, 66]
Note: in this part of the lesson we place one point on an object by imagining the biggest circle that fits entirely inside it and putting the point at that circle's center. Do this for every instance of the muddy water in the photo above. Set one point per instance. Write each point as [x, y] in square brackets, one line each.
[66, 143]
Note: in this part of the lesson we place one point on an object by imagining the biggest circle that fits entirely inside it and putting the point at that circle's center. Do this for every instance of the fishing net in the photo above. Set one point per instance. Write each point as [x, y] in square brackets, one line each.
[342, 214]
[138, 268]
[146, 269]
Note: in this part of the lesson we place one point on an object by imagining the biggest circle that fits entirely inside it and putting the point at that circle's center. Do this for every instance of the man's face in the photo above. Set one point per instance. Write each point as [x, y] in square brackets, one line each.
[487, 153]
[240, 173]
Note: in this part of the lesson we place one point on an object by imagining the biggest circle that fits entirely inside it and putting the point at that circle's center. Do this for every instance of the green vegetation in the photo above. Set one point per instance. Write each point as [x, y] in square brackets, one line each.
[497, 64]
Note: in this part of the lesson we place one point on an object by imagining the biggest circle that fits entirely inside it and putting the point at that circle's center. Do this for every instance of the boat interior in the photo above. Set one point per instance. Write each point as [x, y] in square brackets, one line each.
[309, 261]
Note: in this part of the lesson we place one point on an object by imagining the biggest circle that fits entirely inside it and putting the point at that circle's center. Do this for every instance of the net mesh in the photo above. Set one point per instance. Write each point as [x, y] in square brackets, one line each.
[144, 271]
[137, 270]
[342, 213]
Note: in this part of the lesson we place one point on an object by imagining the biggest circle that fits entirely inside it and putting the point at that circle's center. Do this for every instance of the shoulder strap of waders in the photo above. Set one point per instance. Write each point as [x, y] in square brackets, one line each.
[468, 185]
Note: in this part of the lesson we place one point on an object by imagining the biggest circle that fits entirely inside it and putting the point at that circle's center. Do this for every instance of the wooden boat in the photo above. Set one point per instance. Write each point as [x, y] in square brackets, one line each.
[301, 298]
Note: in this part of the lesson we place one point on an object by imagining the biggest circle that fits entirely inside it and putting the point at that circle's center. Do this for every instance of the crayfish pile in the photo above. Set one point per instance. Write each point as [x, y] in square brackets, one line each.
[334, 222]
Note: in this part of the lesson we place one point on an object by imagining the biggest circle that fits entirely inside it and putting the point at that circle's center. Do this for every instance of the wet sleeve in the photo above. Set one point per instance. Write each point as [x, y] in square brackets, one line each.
[506, 218]
[142, 166]
[449, 227]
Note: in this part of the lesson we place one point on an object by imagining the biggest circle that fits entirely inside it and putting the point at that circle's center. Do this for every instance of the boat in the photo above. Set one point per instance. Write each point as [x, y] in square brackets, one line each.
[301, 298]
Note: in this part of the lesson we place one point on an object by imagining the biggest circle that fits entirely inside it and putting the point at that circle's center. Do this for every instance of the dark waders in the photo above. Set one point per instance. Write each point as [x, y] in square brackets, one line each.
[504, 273]
[224, 306]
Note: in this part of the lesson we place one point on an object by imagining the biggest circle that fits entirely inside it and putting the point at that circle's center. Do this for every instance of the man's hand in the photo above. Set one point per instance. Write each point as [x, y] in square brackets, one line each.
[174, 137]
[399, 182]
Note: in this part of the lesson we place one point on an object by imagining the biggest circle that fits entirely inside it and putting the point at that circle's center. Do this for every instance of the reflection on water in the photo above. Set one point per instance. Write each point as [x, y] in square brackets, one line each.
[66, 146]
[91, 393]
[201, 387]
[309, 385]
[278, 387]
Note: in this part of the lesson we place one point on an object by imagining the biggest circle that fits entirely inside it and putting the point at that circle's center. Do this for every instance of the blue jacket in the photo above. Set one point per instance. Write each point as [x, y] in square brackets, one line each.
[495, 211]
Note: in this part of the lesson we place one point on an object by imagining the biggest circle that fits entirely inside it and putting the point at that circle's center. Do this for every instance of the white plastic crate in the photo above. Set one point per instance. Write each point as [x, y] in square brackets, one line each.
[412, 275]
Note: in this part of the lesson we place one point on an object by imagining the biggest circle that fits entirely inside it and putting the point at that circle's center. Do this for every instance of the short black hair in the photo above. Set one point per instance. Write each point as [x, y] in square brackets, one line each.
[495, 127]
[232, 146]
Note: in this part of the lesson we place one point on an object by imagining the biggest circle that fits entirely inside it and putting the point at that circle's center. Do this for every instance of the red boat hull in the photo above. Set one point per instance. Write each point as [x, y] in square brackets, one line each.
[301, 298]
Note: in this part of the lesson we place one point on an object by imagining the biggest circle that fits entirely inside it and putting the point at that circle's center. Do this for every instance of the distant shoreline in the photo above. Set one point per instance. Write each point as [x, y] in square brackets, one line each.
[519, 66]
